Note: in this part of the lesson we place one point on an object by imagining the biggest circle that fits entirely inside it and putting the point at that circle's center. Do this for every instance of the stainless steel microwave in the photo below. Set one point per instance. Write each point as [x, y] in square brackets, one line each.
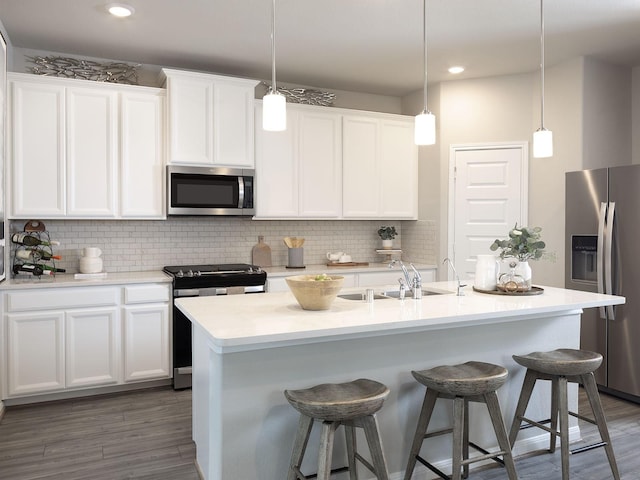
[210, 191]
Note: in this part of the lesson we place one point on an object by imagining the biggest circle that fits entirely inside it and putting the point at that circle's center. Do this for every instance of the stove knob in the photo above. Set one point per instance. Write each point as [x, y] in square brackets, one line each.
[180, 274]
[197, 273]
[190, 273]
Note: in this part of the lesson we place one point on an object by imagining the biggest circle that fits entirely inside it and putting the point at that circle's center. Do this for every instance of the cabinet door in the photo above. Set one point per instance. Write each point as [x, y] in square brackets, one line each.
[320, 164]
[398, 170]
[91, 152]
[361, 177]
[276, 169]
[37, 150]
[35, 352]
[146, 342]
[92, 347]
[142, 155]
[233, 123]
[190, 112]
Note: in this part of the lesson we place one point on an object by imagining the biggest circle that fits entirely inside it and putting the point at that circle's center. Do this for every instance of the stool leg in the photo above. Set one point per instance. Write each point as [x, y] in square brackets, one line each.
[554, 414]
[491, 399]
[423, 421]
[564, 426]
[326, 449]
[525, 394]
[465, 439]
[299, 446]
[350, 433]
[589, 383]
[372, 433]
[458, 426]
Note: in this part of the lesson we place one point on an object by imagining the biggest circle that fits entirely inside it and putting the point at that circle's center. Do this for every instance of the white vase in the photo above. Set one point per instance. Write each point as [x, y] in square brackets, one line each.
[523, 269]
[387, 244]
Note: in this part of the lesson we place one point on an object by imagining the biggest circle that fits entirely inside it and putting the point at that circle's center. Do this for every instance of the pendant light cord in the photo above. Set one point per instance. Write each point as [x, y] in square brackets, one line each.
[273, 47]
[424, 52]
[542, 64]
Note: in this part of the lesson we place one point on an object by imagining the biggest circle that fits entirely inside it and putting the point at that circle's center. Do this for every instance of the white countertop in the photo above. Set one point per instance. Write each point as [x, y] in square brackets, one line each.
[251, 322]
[283, 271]
[68, 280]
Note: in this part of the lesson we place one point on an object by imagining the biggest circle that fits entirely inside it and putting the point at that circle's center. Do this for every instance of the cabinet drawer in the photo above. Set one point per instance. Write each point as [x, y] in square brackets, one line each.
[58, 298]
[146, 294]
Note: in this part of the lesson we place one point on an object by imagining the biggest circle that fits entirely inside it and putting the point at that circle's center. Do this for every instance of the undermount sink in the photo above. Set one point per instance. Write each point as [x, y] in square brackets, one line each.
[391, 294]
[360, 296]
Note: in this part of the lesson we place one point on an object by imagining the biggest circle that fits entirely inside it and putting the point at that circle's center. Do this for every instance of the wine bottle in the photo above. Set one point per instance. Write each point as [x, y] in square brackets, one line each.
[23, 238]
[36, 270]
[36, 255]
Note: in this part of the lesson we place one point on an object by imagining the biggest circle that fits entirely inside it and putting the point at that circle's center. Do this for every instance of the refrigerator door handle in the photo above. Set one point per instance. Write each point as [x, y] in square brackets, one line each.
[608, 257]
[600, 254]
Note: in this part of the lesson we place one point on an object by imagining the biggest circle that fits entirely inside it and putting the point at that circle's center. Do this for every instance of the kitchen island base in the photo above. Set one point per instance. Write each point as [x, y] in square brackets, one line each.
[244, 428]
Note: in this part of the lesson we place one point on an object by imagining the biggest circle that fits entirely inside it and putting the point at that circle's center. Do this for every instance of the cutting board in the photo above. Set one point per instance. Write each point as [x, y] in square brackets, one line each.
[261, 253]
[347, 264]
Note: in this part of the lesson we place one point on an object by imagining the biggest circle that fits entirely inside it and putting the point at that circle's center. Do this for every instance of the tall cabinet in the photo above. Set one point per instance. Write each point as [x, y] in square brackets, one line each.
[85, 149]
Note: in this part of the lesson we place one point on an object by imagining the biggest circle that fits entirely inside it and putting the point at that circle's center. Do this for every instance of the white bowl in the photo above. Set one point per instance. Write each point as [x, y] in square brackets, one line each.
[314, 294]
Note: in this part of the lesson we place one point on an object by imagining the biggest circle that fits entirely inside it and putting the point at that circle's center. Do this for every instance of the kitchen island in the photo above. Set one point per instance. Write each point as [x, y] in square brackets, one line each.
[248, 348]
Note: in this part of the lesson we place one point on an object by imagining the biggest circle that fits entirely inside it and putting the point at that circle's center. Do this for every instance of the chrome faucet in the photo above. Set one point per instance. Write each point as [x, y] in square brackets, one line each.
[459, 292]
[414, 283]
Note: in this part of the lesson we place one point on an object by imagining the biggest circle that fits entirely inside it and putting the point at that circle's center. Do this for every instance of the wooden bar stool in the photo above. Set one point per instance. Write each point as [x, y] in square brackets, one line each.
[352, 404]
[562, 366]
[469, 382]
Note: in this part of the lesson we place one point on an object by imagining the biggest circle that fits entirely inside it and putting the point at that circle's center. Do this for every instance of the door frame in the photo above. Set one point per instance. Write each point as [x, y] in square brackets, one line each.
[524, 185]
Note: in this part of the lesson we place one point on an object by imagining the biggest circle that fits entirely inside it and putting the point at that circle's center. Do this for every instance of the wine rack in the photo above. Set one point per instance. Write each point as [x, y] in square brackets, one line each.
[33, 254]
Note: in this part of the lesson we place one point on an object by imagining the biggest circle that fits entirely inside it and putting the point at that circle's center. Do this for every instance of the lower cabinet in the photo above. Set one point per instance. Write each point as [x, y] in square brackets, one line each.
[62, 339]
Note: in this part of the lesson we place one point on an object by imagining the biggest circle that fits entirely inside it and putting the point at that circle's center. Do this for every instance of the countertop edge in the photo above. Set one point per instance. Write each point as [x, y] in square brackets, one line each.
[67, 280]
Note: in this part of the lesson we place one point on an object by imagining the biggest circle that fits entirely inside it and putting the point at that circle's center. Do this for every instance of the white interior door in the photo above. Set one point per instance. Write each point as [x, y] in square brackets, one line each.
[488, 196]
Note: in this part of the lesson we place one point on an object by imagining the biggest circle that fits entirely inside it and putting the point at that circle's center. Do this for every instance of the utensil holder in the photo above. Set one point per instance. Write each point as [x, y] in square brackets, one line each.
[296, 258]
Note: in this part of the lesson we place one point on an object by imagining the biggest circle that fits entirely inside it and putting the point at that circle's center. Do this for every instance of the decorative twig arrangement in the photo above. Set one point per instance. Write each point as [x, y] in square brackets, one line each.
[85, 69]
[307, 96]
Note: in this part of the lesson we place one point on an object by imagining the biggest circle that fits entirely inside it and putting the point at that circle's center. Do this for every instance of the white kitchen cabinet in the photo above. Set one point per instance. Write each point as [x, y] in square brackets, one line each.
[35, 352]
[142, 160]
[92, 347]
[81, 149]
[380, 167]
[210, 119]
[299, 171]
[91, 152]
[146, 342]
[62, 339]
[36, 149]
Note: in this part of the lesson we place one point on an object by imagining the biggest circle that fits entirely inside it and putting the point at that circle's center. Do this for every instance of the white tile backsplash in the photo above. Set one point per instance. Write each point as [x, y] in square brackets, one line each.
[140, 245]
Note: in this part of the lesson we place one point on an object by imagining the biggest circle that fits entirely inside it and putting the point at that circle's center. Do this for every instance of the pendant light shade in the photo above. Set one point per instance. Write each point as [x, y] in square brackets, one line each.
[542, 138]
[425, 123]
[274, 104]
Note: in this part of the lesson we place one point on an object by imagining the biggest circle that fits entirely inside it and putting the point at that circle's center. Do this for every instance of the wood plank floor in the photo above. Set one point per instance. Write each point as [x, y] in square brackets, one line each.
[146, 434]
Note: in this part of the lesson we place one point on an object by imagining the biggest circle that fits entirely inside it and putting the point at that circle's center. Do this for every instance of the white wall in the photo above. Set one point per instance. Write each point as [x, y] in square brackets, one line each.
[635, 115]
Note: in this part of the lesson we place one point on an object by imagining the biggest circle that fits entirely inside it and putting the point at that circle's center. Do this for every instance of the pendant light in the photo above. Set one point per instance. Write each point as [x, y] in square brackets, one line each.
[274, 104]
[542, 138]
[425, 123]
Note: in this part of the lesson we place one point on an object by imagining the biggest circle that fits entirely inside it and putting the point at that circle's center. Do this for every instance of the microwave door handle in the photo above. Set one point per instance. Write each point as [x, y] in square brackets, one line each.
[600, 254]
[240, 191]
[608, 258]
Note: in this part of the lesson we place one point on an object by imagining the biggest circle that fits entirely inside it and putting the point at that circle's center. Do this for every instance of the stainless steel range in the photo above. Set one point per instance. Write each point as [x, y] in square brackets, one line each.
[205, 280]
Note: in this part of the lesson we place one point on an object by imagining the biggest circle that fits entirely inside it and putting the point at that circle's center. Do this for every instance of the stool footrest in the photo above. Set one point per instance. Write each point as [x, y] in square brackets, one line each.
[533, 423]
[364, 462]
[436, 433]
[588, 447]
[582, 417]
[530, 425]
[302, 476]
[492, 456]
[433, 468]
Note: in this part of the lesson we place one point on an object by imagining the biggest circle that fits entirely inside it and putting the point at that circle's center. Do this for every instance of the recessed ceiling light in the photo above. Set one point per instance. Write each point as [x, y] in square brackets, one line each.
[120, 9]
[456, 70]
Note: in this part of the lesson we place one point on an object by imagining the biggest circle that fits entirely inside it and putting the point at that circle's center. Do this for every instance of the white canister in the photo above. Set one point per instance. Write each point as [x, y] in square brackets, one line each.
[90, 262]
[487, 270]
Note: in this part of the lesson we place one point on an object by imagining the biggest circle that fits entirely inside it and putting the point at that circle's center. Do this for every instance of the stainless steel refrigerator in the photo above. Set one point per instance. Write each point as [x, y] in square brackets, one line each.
[603, 255]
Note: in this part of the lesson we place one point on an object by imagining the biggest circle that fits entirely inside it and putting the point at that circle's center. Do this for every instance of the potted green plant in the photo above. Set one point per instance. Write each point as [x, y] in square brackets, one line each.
[523, 244]
[387, 234]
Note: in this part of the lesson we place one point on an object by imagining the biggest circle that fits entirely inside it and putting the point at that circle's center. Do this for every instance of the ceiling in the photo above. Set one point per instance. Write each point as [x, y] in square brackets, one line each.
[372, 46]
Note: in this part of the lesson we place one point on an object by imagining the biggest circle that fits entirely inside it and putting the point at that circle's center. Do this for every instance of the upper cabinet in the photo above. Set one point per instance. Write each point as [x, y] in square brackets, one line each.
[336, 163]
[299, 171]
[210, 119]
[80, 149]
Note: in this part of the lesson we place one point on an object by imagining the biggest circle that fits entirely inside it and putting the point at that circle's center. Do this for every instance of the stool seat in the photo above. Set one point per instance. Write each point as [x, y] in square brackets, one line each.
[339, 401]
[470, 378]
[564, 361]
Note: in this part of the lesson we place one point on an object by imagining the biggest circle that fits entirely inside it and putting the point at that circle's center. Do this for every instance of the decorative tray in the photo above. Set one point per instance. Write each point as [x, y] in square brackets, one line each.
[534, 291]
